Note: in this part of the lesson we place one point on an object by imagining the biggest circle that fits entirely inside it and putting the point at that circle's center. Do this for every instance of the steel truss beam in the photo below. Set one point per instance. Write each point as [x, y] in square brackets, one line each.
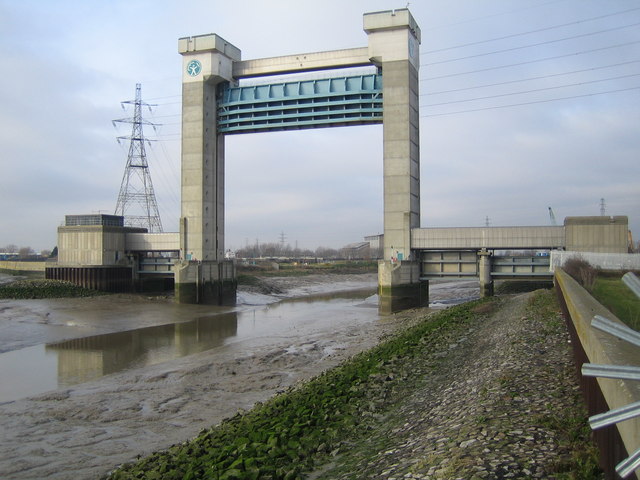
[328, 102]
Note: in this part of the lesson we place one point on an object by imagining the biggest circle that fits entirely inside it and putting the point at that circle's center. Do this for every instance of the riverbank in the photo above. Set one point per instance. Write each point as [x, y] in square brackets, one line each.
[485, 390]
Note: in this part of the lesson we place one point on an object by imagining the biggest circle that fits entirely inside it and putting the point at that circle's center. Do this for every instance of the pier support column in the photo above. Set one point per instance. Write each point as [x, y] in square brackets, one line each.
[400, 288]
[394, 41]
[204, 275]
[212, 283]
[484, 272]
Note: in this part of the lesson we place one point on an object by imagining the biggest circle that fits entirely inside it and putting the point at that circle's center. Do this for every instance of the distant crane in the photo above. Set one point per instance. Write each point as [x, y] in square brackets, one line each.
[552, 217]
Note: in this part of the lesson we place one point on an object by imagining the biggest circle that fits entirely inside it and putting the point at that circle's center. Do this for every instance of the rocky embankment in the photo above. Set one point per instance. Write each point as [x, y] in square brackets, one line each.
[499, 400]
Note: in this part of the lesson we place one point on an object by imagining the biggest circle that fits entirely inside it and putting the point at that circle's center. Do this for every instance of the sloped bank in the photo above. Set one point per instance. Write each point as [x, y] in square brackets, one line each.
[447, 398]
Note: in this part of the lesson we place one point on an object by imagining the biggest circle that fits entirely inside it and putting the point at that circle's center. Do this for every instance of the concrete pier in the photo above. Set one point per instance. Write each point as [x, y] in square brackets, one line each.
[399, 287]
[484, 272]
[203, 276]
[394, 40]
[211, 283]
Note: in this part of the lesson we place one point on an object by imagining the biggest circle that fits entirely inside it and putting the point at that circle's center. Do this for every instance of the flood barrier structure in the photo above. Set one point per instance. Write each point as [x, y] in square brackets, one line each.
[214, 105]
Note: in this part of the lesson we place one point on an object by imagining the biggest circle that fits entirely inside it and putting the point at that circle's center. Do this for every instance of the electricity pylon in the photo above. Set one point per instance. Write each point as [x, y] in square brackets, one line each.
[137, 200]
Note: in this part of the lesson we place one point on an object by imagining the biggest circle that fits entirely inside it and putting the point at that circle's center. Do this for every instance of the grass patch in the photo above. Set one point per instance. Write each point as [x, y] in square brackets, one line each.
[34, 289]
[522, 286]
[246, 279]
[619, 299]
[574, 435]
[295, 431]
[35, 274]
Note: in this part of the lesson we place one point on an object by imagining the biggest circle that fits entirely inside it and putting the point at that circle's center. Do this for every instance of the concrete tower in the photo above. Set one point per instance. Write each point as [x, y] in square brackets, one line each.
[394, 42]
[203, 276]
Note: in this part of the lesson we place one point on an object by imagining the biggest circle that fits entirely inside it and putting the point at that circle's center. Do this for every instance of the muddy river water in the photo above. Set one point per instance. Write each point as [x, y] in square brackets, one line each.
[128, 372]
[72, 353]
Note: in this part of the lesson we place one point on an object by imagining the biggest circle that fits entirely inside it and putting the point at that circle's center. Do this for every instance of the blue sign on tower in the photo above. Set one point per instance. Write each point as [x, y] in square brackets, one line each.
[194, 67]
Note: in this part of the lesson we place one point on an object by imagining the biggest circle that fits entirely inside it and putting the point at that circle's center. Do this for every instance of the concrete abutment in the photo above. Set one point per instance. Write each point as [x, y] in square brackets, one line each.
[211, 283]
[399, 286]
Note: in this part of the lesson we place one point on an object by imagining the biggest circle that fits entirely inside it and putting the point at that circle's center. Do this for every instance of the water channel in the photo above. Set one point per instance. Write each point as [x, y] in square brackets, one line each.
[57, 343]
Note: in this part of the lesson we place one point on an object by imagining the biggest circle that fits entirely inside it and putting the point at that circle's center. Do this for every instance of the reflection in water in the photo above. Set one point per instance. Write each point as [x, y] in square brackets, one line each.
[84, 359]
[41, 368]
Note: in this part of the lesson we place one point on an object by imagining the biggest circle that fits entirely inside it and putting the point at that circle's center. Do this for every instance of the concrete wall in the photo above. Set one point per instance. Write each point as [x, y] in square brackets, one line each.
[89, 245]
[606, 261]
[149, 242]
[597, 234]
[22, 266]
[93, 245]
[499, 238]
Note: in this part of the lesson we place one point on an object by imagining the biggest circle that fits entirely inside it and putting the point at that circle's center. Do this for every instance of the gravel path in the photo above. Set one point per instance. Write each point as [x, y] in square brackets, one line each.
[487, 404]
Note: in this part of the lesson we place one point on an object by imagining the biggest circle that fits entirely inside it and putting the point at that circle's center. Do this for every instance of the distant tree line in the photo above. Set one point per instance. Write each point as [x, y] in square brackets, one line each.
[14, 252]
[278, 250]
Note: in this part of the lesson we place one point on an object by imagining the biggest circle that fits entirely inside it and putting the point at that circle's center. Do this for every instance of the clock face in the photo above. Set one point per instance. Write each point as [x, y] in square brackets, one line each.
[194, 67]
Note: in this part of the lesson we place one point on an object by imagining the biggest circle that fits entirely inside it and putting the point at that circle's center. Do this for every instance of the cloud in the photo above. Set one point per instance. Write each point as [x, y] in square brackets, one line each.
[68, 65]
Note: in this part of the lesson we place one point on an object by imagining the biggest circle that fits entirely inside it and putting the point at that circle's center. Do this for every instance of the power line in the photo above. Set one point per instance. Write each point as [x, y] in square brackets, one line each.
[529, 103]
[540, 77]
[531, 91]
[531, 61]
[167, 96]
[527, 33]
[495, 15]
[166, 116]
[547, 42]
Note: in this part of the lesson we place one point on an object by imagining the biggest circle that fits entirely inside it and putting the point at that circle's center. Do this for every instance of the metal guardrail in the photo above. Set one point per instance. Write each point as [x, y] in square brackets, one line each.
[621, 331]
[623, 372]
[633, 282]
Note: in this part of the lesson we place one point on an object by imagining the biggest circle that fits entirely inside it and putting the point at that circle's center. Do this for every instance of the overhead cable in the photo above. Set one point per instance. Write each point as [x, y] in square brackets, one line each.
[529, 103]
[528, 32]
[546, 42]
[539, 77]
[531, 61]
[531, 91]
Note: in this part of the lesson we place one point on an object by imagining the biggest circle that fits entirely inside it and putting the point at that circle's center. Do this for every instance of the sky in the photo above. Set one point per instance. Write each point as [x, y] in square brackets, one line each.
[524, 105]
